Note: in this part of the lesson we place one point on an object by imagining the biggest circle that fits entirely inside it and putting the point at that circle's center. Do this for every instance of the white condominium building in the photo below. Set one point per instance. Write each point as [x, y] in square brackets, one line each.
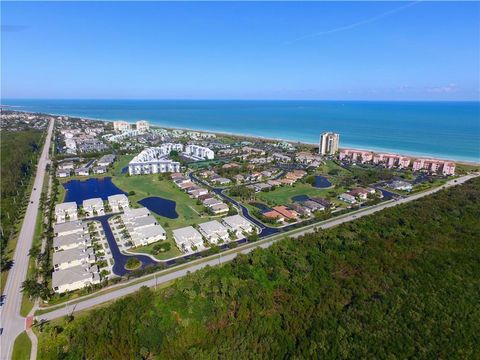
[118, 202]
[197, 152]
[121, 126]
[142, 126]
[155, 160]
[329, 142]
[93, 207]
[66, 212]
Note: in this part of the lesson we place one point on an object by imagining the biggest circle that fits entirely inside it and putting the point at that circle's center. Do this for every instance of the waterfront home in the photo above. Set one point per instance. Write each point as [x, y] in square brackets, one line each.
[136, 212]
[118, 202]
[238, 224]
[347, 198]
[74, 278]
[274, 215]
[99, 170]
[300, 209]
[83, 171]
[71, 241]
[324, 202]
[72, 257]
[313, 205]
[285, 212]
[63, 173]
[93, 207]
[214, 231]
[187, 238]
[66, 212]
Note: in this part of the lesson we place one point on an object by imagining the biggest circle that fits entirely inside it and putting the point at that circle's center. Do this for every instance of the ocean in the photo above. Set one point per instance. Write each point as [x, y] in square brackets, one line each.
[448, 130]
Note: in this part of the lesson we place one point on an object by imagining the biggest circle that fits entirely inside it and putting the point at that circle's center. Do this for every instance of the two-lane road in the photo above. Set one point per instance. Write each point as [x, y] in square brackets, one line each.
[10, 320]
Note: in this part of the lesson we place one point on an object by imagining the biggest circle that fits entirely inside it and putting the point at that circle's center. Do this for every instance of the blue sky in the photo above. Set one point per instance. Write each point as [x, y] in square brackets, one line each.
[241, 50]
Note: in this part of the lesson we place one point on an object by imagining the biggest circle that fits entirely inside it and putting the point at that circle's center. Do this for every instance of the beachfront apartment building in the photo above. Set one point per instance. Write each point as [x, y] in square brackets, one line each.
[197, 152]
[121, 126]
[214, 231]
[93, 207]
[142, 126]
[74, 278]
[392, 160]
[188, 239]
[354, 155]
[118, 202]
[155, 160]
[329, 143]
[434, 166]
[66, 212]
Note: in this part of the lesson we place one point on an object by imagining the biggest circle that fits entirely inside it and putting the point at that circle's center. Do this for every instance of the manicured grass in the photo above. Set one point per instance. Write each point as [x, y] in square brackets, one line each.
[150, 185]
[120, 163]
[148, 249]
[22, 347]
[284, 194]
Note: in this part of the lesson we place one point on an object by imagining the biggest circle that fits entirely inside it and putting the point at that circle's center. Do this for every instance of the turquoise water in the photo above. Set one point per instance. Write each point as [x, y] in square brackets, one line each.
[441, 129]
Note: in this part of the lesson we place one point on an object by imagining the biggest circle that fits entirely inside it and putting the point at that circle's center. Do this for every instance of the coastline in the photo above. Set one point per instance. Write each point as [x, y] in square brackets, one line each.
[252, 136]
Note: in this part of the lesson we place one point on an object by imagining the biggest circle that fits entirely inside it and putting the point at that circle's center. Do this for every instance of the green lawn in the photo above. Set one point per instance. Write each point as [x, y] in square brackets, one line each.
[148, 249]
[22, 347]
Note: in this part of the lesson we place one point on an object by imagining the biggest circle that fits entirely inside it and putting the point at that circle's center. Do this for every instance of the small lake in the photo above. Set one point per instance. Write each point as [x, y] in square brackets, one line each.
[321, 182]
[79, 190]
[125, 170]
[260, 206]
[160, 206]
[300, 198]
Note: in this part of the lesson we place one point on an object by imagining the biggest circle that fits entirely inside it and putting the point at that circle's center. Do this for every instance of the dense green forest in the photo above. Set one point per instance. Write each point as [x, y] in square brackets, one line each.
[19, 154]
[403, 283]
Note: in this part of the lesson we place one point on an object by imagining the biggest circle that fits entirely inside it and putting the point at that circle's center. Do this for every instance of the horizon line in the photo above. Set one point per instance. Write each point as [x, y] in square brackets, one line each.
[245, 99]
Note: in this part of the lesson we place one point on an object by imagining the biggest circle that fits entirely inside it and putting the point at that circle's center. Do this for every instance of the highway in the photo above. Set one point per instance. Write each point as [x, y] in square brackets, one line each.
[222, 258]
[10, 320]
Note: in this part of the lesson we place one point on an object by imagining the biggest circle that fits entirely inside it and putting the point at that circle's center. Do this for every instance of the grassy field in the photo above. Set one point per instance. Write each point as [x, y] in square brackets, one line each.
[283, 195]
[148, 249]
[22, 347]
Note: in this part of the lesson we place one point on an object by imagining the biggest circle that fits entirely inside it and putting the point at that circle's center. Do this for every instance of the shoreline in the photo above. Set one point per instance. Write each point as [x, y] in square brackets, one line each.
[251, 136]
